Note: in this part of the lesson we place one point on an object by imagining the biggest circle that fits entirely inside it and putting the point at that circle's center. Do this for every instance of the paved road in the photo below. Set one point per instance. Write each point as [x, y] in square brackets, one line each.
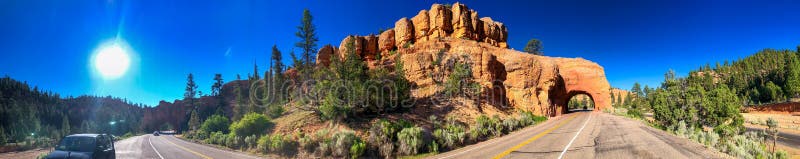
[169, 147]
[586, 135]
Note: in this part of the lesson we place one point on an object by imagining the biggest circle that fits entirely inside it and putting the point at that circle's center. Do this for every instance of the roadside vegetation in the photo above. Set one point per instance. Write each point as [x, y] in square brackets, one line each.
[706, 106]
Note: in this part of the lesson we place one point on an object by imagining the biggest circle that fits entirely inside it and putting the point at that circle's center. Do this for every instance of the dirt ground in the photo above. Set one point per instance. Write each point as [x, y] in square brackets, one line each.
[25, 154]
[787, 122]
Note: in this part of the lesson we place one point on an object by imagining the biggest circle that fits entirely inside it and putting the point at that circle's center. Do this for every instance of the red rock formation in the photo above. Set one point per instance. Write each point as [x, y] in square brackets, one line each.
[509, 78]
[386, 41]
[403, 32]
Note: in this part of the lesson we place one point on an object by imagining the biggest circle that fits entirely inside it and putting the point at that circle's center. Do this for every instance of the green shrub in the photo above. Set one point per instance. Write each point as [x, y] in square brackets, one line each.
[307, 143]
[484, 126]
[381, 136]
[511, 124]
[410, 140]
[201, 134]
[325, 147]
[499, 128]
[539, 119]
[526, 119]
[386, 149]
[357, 149]
[216, 123]
[274, 110]
[263, 143]
[251, 124]
[433, 147]
[634, 113]
[217, 138]
[233, 141]
[450, 136]
[341, 143]
[251, 141]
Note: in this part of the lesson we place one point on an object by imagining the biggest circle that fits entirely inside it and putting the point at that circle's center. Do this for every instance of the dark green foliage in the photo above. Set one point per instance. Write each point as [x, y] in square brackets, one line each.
[410, 140]
[216, 88]
[792, 86]
[349, 89]
[307, 32]
[28, 114]
[534, 46]
[459, 82]
[251, 124]
[451, 135]
[191, 87]
[216, 123]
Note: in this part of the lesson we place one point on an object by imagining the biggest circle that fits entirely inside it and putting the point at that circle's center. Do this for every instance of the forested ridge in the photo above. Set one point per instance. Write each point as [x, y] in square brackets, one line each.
[32, 115]
[706, 105]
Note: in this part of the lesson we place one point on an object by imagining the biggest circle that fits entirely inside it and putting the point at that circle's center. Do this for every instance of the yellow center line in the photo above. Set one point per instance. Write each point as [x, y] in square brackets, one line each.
[187, 149]
[534, 138]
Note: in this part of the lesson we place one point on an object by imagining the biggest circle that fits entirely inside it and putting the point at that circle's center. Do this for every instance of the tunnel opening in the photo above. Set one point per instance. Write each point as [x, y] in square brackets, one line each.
[580, 102]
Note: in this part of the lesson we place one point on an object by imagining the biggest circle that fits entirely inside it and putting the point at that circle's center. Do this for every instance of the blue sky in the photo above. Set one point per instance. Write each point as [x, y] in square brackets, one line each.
[49, 43]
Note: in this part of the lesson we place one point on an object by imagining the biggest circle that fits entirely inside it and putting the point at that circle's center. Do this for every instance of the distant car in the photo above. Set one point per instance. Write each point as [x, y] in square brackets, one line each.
[155, 133]
[85, 146]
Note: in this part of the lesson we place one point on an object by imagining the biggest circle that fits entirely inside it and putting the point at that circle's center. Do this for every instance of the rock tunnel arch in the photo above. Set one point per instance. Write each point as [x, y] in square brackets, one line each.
[576, 99]
[582, 78]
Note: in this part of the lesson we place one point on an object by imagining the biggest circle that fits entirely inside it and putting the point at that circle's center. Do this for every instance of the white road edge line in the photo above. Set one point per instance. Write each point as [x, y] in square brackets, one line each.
[154, 148]
[575, 137]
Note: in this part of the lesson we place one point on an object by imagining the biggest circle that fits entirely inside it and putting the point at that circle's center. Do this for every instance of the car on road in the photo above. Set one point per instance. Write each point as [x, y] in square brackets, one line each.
[155, 133]
[85, 146]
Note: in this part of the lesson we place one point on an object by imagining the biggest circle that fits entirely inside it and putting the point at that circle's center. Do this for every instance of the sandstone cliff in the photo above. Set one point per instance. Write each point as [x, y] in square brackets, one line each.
[510, 79]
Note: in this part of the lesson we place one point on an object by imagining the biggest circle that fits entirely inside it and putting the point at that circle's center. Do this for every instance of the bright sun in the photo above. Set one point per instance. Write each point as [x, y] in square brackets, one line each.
[111, 61]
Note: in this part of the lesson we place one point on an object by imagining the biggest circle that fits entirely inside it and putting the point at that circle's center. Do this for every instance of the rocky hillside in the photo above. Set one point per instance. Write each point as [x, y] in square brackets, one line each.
[433, 39]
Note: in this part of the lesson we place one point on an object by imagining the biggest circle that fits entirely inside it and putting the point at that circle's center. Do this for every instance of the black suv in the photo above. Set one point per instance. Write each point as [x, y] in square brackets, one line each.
[94, 146]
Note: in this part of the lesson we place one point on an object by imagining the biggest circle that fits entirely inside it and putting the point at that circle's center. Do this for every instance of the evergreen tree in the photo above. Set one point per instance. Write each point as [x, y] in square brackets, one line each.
[307, 32]
[535, 47]
[613, 101]
[194, 121]
[65, 129]
[216, 88]
[239, 108]
[637, 89]
[191, 87]
[793, 76]
[255, 72]
[277, 72]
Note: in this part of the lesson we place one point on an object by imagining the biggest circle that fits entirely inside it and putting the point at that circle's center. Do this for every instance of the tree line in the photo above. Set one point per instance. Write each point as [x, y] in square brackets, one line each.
[30, 115]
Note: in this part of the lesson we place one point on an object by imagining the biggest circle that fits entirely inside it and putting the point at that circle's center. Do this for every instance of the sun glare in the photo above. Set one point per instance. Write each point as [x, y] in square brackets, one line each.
[111, 61]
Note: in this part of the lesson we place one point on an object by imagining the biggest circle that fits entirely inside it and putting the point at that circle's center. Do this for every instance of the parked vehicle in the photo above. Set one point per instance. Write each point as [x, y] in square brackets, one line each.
[85, 146]
[155, 133]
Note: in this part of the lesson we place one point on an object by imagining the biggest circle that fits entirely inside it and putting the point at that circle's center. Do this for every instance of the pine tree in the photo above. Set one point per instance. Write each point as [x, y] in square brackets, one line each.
[65, 129]
[239, 107]
[307, 32]
[277, 72]
[613, 101]
[191, 87]
[637, 89]
[194, 121]
[535, 47]
[793, 76]
[216, 88]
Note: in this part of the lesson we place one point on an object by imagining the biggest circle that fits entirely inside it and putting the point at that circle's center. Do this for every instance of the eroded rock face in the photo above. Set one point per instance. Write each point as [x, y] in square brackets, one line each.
[509, 78]
[386, 41]
[440, 22]
[441, 25]
[404, 32]
[421, 26]
[324, 55]
[462, 22]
